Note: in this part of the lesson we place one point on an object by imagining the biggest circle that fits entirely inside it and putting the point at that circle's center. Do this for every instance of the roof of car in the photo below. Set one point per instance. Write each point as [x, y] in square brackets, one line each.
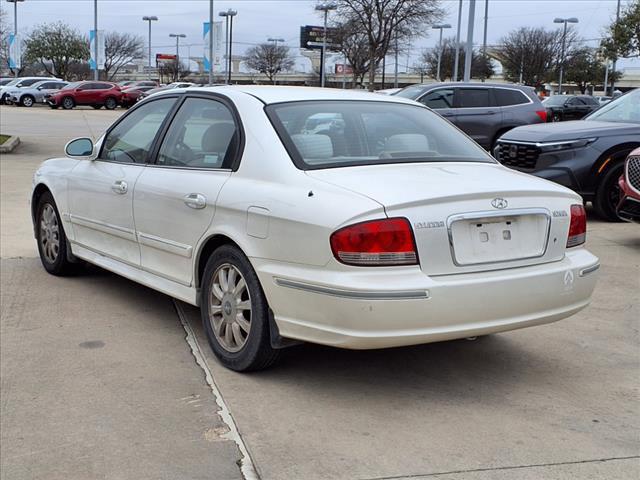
[280, 94]
[470, 84]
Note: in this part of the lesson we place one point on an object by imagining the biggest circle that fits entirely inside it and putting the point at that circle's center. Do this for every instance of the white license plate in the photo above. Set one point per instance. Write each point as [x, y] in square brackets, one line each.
[499, 239]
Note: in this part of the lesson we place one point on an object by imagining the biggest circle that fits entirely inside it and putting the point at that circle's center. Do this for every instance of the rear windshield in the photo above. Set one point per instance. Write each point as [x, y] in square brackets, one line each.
[326, 134]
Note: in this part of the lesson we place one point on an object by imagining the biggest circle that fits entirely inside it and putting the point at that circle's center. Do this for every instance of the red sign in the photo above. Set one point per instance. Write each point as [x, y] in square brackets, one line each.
[163, 57]
[341, 68]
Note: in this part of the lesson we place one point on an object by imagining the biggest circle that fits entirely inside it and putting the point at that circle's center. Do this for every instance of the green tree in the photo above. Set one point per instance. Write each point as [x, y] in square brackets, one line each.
[585, 67]
[481, 66]
[622, 38]
[533, 54]
[56, 46]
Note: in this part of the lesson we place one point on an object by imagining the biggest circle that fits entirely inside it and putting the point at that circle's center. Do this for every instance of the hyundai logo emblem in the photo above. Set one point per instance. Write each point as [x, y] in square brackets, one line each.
[499, 203]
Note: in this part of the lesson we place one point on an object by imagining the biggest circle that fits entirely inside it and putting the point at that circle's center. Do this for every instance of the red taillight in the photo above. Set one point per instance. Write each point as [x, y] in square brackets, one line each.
[578, 226]
[376, 243]
[542, 114]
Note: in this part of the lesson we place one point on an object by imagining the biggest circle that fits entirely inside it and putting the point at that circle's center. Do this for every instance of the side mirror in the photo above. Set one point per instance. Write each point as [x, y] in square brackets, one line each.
[81, 148]
[39, 88]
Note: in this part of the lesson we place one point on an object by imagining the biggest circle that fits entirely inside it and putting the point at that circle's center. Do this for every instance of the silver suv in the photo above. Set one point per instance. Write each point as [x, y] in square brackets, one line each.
[484, 111]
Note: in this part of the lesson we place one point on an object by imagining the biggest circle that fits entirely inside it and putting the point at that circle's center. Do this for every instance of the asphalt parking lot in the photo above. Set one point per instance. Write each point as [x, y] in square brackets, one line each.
[103, 378]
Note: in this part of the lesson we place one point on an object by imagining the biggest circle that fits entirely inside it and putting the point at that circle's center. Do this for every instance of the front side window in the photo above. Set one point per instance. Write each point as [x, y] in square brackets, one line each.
[130, 140]
[473, 97]
[440, 98]
[203, 134]
[365, 133]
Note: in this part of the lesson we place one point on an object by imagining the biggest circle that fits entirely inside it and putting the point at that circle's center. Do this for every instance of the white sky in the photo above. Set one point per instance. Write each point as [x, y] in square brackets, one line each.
[259, 19]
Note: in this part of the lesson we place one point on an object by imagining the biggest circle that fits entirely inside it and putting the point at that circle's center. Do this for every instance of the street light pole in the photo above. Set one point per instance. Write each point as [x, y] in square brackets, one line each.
[177, 36]
[150, 19]
[468, 53]
[15, 26]
[231, 13]
[275, 42]
[440, 26]
[210, 42]
[324, 7]
[484, 40]
[564, 38]
[96, 73]
[456, 62]
[613, 68]
[226, 40]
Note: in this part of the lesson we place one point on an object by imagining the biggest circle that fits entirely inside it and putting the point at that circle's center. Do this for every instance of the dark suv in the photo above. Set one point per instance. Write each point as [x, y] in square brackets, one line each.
[484, 111]
[569, 107]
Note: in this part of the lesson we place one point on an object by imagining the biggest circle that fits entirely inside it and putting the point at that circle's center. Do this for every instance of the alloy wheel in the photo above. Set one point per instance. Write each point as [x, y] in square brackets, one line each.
[49, 233]
[67, 103]
[27, 101]
[230, 308]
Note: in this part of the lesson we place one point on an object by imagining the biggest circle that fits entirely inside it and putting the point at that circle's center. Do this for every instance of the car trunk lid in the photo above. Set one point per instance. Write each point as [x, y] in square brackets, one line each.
[467, 217]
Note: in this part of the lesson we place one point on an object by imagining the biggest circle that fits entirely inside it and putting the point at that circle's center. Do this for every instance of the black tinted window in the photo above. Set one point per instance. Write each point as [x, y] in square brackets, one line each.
[101, 86]
[505, 97]
[440, 98]
[473, 97]
[26, 83]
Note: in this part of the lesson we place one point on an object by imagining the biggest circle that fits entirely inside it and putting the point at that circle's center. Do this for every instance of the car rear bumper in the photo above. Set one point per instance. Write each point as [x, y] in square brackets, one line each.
[379, 308]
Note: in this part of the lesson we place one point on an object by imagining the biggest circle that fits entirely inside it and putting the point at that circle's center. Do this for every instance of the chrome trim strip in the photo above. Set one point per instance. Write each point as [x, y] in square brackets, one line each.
[354, 294]
[498, 213]
[588, 270]
[103, 227]
[164, 244]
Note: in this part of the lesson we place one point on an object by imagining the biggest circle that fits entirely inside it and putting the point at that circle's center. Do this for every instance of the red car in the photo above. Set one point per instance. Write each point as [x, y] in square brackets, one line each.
[95, 94]
[130, 95]
[629, 206]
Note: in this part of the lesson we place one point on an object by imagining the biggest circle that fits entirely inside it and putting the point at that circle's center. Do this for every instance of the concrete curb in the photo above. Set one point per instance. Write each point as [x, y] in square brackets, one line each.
[10, 145]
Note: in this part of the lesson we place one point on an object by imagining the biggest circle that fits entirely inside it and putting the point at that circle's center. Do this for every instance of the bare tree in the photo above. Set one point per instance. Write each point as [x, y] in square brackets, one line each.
[175, 70]
[56, 46]
[381, 20]
[269, 59]
[481, 66]
[120, 50]
[533, 54]
[354, 45]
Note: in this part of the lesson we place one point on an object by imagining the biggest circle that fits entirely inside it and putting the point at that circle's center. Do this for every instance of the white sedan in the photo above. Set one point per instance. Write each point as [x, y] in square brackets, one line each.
[294, 214]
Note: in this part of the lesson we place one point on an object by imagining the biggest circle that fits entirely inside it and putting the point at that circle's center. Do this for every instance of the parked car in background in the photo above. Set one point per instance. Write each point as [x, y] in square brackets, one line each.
[130, 95]
[20, 82]
[171, 86]
[95, 94]
[585, 155]
[629, 206]
[4, 81]
[569, 107]
[484, 111]
[389, 91]
[393, 229]
[603, 100]
[126, 83]
[142, 83]
[36, 93]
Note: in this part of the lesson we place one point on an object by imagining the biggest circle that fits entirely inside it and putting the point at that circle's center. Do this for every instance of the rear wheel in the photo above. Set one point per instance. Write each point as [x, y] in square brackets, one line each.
[608, 194]
[111, 103]
[68, 103]
[234, 311]
[27, 101]
[52, 242]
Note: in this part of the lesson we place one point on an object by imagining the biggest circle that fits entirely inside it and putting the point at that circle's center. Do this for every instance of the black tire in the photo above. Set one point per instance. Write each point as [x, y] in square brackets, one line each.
[111, 103]
[27, 101]
[68, 103]
[608, 194]
[60, 265]
[97, 107]
[256, 352]
[556, 117]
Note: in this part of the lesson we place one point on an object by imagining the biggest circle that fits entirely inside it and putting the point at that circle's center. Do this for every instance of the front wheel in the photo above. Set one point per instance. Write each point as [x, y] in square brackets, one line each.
[68, 103]
[52, 242]
[27, 101]
[235, 313]
[111, 103]
[608, 194]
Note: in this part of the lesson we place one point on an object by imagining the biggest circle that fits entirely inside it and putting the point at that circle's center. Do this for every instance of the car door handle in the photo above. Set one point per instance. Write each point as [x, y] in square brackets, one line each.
[120, 187]
[195, 200]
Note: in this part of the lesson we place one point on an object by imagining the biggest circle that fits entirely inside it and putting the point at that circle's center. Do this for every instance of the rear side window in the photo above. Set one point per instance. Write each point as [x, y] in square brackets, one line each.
[507, 97]
[440, 98]
[203, 134]
[29, 82]
[473, 97]
[130, 140]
